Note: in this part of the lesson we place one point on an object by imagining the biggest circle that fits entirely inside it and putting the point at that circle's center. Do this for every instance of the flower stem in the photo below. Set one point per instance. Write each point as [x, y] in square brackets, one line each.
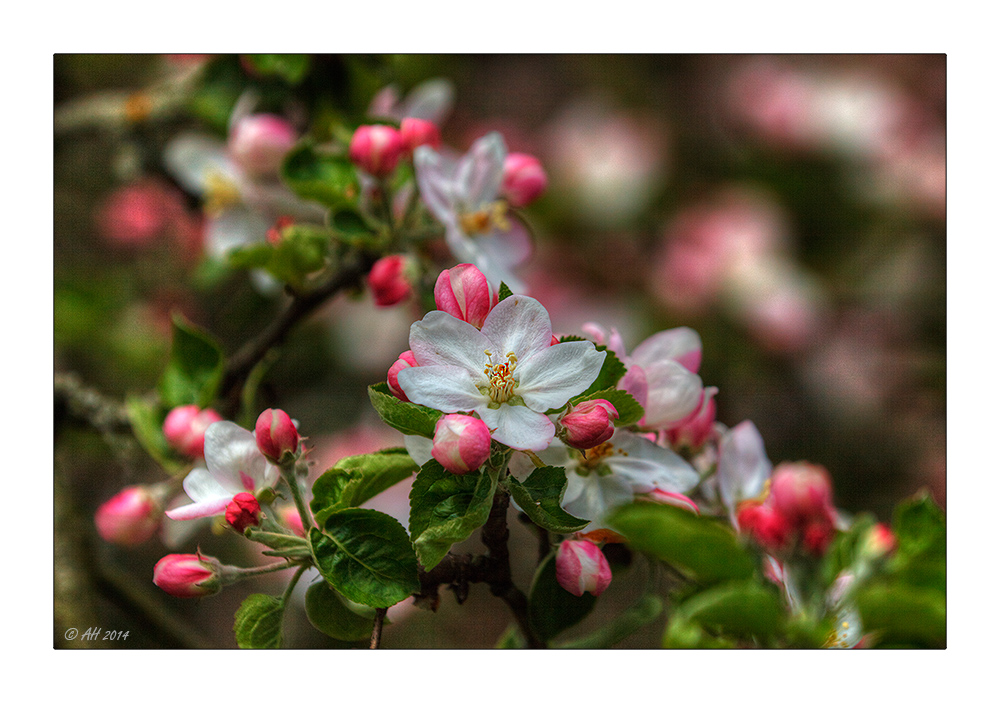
[534, 458]
[288, 473]
[377, 628]
[291, 584]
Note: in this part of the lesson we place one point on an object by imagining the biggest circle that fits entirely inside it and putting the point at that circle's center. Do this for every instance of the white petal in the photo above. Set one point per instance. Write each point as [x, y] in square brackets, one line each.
[234, 228]
[743, 465]
[591, 497]
[673, 392]
[206, 508]
[646, 465]
[557, 373]
[432, 100]
[234, 460]
[449, 389]
[419, 448]
[518, 427]
[434, 177]
[191, 158]
[480, 172]
[520, 325]
[441, 339]
[508, 248]
[200, 485]
[681, 344]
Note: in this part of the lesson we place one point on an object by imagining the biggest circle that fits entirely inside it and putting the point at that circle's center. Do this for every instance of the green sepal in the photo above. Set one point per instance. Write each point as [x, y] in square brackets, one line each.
[446, 508]
[511, 639]
[355, 479]
[611, 372]
[629, 410]
[257, 623]
[408, 418]
[638, 615]
[540, 497]
[699, 546]
[291, 68]
[146, 419]
[287, 546]
[551, 608]
[312, 174]
[194, 369]
[504, 292]
[365, 555]
[333, 616]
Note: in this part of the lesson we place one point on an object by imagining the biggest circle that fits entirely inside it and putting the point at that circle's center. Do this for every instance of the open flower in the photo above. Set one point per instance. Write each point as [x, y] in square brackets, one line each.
[744, 469]
[464, 195]
[235, 465]
[508, 373]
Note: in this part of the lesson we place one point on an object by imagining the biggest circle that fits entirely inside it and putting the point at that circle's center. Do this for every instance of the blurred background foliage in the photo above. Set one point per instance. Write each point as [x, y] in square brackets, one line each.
[788, 208]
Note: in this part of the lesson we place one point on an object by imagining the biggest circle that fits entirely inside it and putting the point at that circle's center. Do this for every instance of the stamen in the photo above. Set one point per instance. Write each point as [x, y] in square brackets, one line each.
[220, 193]
[483, 221]
[501, 377]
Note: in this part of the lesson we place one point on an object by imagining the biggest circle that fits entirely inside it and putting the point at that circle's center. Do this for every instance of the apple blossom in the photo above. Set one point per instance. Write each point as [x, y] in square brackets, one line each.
[185, 427]
[130, 517]
[464, 292]
[588, 424]
[770, 528]
[678, 500]
[698, 427]
[581, 567]
[802, 492]
[235, 465]
[507, 373]
[391, 279]
[524, 179]
[461, 443]
[744, 468]
[188, 575]
[464, 195]
[406, 360]
[276, 434]
[258, 143]
[431, 100]
[376, 149]
[416, 132]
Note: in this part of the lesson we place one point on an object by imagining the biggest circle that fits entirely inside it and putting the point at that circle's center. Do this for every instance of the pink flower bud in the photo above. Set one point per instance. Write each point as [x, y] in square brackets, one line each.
[524, 179]
[698, 427]
[768, 527]
[276, 233]
[376, 149]
[185, 428]
[589, 424]
[406, 360]
[258, 143]
[415, 132]
[276, 434]
[464, 292]
[188, 575]
[243, 512]
[131, 517]
[817, 535]
[802, 492]
[878, 542]
[391, 279]
[581, 567]
[461, 443]
[290, 516]
[678, 500]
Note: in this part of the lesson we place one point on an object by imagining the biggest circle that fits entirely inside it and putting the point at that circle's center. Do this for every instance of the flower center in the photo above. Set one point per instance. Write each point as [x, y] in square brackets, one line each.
[593, 459]
[220, 194]
[501, 377]
[483, 221]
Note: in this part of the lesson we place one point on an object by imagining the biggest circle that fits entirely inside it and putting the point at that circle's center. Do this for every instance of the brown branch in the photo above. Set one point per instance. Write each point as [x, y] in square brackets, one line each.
[75, 401]
[377, 629]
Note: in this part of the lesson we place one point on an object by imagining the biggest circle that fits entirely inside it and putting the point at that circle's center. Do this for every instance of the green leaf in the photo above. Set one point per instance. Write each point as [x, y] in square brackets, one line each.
[252, 256]
[330, 614]
[551, 608]
[540, 497]
[355, 479]
[258, 622]
[629, 410]
[146, 419]
[446, 508]
[611, 372]
[328, 179]
[901, 614]
[194, 370]
[743, 609]
[697, 545]
[408, 418]
[920, 558]
[843, 552]
[292, 68]
[350, 229]
[366, 556]
[638, 615]
[504, 292]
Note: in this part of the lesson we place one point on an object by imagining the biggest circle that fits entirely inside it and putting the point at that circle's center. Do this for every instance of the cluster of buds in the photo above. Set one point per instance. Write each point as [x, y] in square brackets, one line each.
[184, 428]
[798, 510]
[581, 567]
[589, 424]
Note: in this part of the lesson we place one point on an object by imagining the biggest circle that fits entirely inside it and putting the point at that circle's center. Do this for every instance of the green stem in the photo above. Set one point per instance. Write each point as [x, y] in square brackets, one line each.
[534, 458]
[288, 473]
[291, 584]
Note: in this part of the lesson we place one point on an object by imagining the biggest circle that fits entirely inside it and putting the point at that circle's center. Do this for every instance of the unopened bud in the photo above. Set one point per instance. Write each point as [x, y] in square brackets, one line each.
[276, 434]
[391, 279]
[589, 424]
[463, 292]
[416, 132]
[802, 492]
[581, 567]
[131, 517]
[184, 428]
[243, 512]
[258, 143]
[376, 149]
[765, 525]
[524, 179]
[678, 500]
[406, 360]
[461, 443]
[817, 535]
[188, 575]
[878, 542]
[698, 427]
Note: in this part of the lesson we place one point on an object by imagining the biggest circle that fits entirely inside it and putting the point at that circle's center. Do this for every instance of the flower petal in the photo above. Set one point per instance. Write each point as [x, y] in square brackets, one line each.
[743, 465]
[191, 158]
[233, 228]
[557, 373]
[647, 466]
[234, 461]
[441, 339]
[434, 173]
[432, 100]
[518, 427]
[673, 392]
[419, 448]
[450, 389]
[508, 248]
[520, 325]
[681, 344]
[591, 497]
[480, 172]
[207, 508]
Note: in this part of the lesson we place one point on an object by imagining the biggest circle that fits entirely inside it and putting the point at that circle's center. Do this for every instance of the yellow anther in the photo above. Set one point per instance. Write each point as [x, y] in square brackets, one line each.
[501, 377]
[483, 221]
[220, 193]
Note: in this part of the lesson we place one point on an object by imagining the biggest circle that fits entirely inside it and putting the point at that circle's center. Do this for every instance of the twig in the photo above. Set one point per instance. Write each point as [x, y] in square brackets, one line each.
[377, 628]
